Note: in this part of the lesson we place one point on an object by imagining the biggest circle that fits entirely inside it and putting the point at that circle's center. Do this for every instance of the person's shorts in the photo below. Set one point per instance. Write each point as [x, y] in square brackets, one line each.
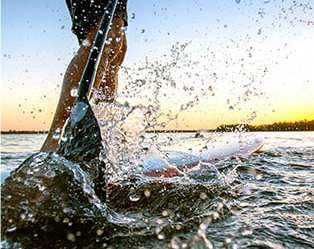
[84, 14]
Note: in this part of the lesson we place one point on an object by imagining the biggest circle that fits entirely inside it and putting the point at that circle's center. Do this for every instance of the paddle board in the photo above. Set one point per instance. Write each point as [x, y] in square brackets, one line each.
[193, 154]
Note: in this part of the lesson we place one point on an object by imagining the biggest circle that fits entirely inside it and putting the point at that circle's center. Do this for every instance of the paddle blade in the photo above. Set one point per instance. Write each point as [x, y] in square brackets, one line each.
[81, 138]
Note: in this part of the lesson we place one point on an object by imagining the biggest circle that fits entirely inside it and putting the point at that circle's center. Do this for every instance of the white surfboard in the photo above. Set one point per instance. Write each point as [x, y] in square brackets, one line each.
[190, 155]
[169, 161]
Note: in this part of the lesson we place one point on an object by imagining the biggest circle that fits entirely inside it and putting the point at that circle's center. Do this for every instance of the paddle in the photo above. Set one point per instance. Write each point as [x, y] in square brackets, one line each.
[81, 138]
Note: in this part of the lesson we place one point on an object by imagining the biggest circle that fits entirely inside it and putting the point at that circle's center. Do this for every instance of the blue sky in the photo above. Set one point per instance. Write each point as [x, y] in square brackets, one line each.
[230, 46]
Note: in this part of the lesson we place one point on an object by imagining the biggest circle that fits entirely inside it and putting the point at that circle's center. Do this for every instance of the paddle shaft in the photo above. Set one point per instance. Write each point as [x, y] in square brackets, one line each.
[91, 66]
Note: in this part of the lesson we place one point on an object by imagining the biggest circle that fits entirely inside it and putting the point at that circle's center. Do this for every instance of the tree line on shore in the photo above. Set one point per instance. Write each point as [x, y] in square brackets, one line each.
[303, 125]
[280, 126]
[23, 132]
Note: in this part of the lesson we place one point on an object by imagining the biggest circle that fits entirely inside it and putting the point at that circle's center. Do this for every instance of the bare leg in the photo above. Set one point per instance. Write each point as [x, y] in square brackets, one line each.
[70, 81]
[106, 79]
[72, 78]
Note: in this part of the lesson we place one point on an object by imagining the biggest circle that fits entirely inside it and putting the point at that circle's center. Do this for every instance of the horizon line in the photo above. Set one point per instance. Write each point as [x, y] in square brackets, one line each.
[173, 130]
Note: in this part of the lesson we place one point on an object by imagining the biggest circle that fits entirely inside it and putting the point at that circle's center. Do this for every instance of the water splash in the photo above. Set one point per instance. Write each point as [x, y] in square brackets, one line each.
[124, 126]
[122, 129]
[157, 81]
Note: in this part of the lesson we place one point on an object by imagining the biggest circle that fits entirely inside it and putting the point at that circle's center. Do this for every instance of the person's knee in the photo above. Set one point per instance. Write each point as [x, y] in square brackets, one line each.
[115, 41]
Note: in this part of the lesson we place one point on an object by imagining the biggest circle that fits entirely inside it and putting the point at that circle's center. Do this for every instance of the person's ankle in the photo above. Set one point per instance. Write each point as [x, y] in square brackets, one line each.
[51, 144]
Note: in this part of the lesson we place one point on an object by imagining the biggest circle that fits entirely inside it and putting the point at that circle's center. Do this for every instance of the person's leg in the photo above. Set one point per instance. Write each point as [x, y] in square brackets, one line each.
[72, 78]
[106, 78]
[70, 82]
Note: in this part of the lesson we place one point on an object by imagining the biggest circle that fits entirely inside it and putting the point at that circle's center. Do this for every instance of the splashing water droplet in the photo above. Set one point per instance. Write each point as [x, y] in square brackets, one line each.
[204, 225]
[56, 137]
[161, 236]
[71, 237]
[175, 243]
[11, 229]
[86, 42]
[99, 231]
[134, 197]
[147, 193]
[74, 92]
[247, 232]
[50, 174]
[203, 196]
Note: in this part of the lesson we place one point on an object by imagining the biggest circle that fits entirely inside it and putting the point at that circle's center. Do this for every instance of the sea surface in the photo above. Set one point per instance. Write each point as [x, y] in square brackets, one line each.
[268, 203]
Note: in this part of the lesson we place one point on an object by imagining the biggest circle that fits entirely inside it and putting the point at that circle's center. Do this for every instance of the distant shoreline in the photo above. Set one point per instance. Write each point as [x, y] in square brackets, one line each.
[304, 125]
[275, 127]
[24, 132]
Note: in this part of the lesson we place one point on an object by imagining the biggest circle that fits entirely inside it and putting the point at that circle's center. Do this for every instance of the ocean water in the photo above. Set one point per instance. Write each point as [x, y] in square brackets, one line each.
[269, 203]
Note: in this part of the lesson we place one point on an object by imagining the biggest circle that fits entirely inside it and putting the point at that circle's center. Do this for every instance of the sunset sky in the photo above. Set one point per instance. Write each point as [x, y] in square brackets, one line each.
[206, 62]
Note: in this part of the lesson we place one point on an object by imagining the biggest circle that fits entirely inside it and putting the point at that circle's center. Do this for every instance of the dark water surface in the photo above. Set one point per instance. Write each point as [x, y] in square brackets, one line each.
[264, 200]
